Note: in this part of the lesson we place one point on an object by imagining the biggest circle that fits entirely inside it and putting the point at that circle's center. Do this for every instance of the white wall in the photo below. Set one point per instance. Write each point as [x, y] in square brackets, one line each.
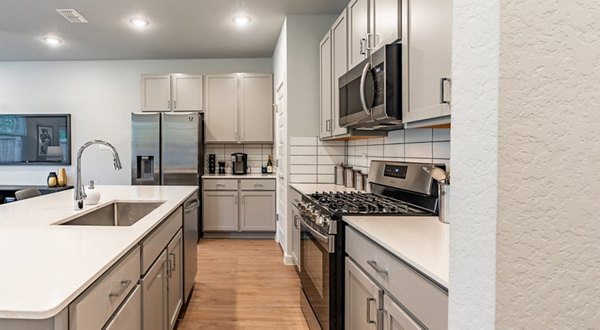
[548, 250]
[100, 95]
[474, 162]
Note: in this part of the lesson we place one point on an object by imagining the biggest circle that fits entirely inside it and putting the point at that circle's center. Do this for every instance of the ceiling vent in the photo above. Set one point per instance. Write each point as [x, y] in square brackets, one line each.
[72, 15]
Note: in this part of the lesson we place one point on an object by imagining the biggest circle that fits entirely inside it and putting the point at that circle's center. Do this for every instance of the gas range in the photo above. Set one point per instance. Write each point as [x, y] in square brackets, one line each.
[397, 189]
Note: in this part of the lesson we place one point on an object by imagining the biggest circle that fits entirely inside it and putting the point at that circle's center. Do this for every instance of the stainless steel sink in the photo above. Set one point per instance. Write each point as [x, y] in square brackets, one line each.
[115, 214]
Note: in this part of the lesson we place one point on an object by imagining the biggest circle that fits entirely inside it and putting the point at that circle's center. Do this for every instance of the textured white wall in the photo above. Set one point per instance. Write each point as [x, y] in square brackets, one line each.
[473, 160]
[548, 250]
[100, 95]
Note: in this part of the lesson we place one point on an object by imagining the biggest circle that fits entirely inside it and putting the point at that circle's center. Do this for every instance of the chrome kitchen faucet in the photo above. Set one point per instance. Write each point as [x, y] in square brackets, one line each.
[79, 194]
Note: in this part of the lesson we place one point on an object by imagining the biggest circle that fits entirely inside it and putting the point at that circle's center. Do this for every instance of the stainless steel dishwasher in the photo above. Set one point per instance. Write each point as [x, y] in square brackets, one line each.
[190, 242]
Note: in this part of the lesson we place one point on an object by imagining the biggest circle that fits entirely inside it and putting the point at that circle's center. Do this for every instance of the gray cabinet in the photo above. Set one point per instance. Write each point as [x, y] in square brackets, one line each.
[363, 299]
[386, 22]
[358, 27]
[428, 61]
[220, 210]
[325, 85]
[129, 315]
[239, 108]
[154, 296]
[172, 92]
[257, 211]
[395, 318]
[175, 278]
[244, 205]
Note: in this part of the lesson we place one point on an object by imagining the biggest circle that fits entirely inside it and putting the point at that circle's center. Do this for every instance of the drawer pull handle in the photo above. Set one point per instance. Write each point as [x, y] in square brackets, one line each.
[173, 262]
[369, 300]
[124, 286]
[377, 268]
[220, 185]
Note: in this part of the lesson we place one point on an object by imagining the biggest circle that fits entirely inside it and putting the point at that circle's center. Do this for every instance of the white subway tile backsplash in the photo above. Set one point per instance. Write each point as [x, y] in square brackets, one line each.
[303, 160]
[329, 160]
[326, 178]
[419, 160]
[326, 169]
[418, 135]
[332, 143]
[418, 150]
[303, 178]
[303, 169]
[441, 150]
[375, 150]
[393, 150]
[394, 137]
[361, 142]
[373, 141]
[295, 150]
[303, 140]
[360, 150]
[331, 150]
[441, 134]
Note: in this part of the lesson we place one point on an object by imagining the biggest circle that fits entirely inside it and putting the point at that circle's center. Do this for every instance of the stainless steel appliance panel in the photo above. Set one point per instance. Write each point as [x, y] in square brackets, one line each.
[190, 242]
[406, 176]
[145, 149]
[181, 148]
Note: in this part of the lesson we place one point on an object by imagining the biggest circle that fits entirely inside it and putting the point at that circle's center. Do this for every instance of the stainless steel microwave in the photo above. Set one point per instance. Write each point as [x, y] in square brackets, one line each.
[371, 93]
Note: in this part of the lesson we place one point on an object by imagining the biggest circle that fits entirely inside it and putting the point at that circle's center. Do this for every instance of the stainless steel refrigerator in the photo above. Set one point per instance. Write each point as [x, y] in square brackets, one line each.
[168, 149]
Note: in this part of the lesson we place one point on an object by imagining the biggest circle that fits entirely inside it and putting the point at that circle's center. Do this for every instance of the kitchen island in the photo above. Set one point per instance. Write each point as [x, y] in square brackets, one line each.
[47, 265]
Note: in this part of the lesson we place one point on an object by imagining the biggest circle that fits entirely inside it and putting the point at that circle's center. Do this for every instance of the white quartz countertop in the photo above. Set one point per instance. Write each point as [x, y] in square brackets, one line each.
[47, 266]
[240, 176]
[309, 188]
[422, 242]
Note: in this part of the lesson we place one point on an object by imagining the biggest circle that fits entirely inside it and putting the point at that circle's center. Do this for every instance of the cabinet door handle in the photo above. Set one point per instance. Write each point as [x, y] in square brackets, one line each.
[363, 50]
[377, 268]
[443, 83]
[168, 104]
[124, 285]
[174, 104]
[369, 300]
[370, 44]
[173, 262]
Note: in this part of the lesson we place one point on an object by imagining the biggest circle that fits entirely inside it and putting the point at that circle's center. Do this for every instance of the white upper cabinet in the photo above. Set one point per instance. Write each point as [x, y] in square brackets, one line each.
[221, 108]
[358, 27]
[239, 108]
[429, 60]
[339, 56]
[256, 107]
[172, 92]
[325, 85]
[385, 29]
[187, 92]
[156, 92]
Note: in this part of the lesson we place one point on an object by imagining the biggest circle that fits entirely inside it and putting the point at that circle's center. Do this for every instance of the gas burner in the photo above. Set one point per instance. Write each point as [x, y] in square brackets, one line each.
[362, 203]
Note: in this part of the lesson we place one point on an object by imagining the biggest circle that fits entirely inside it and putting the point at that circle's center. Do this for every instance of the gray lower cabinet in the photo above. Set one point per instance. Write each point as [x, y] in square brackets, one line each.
[257, 210]
[129, 315]
[363, 299]
[175, 278]
[239, 205]
[294, 198]
[220, 210]
[395, 318]
[154, 295]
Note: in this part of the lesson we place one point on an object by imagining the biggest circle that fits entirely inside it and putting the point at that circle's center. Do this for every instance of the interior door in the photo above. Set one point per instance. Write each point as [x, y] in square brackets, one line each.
[281, 162]
[154, 296]
[221, 108]
[187, 92]
[175, 278]
[180, 151]
[362, 299]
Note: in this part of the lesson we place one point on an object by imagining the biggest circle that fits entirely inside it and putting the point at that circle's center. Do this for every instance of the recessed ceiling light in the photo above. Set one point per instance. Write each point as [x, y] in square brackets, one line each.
[52, 41]
[241, 20]
[138, 22]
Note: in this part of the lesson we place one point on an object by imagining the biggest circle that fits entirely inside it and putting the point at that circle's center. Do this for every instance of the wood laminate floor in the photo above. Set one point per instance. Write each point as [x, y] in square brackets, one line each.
[243, 284]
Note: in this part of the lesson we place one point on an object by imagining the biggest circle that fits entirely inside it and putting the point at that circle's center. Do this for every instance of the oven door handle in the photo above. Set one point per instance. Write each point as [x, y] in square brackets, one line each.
[363, 80]
[315, 233]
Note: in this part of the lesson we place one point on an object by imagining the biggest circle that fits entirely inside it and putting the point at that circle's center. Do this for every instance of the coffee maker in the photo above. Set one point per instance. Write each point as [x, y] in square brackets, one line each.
[239, 163]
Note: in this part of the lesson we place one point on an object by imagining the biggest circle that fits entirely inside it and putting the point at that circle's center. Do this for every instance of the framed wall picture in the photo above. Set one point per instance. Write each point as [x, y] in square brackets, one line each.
[45, 136]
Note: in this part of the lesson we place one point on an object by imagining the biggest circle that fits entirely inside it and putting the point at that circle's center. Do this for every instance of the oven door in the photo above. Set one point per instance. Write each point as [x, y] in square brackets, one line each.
[314, 260]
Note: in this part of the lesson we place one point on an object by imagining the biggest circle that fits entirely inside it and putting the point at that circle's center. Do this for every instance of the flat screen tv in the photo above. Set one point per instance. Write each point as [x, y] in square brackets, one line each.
[43, 139]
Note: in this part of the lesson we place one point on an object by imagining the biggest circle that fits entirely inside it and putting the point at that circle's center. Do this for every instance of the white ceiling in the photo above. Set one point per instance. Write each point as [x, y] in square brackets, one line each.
[178, 29]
